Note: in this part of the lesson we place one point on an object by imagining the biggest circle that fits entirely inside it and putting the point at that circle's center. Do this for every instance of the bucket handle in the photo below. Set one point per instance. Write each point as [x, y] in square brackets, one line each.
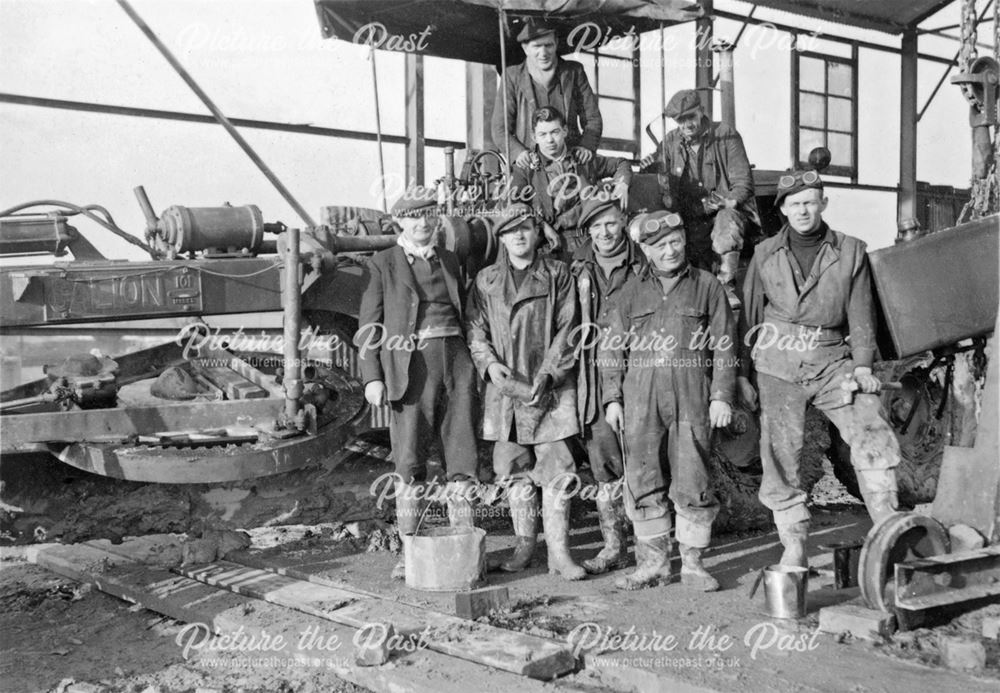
[756, 583]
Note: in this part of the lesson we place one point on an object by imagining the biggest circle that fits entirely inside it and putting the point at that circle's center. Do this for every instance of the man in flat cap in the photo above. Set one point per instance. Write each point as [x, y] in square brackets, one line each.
[708, 180]
[557, 185]
[602, 266]
[544, 79]
[414, 357]
[668, 372]
[810, 320]
[521, 313]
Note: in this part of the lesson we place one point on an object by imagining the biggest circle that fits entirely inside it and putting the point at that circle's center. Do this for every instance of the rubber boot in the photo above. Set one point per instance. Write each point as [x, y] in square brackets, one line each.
[408, 511]
[793, 538]
[652, 563]
[730, 263]
[523, 499]
[878, 488]
[555, 522]
[611, 515]
[693, 573]
[459, 495]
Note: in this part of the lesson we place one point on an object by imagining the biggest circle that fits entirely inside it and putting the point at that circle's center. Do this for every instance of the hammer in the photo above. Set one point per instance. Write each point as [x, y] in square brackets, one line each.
[850, 387]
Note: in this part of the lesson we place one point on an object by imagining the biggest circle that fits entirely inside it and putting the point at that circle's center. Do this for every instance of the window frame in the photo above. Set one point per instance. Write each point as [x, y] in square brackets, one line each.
[630, 145]
[799, 157]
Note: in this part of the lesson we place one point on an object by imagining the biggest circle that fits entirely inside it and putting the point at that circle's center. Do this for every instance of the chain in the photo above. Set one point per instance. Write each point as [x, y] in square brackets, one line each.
[969, 33]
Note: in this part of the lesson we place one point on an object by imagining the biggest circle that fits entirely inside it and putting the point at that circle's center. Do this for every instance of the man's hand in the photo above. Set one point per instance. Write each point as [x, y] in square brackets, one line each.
[615, 416]
[539, 390]
[648, 162]
[747, 393]
[498, 373]
[720, 414]
[709, 206]
[375, 393]
[524, 159]
[620, 193]
[582, 154]
[867, 382]
[554, 239]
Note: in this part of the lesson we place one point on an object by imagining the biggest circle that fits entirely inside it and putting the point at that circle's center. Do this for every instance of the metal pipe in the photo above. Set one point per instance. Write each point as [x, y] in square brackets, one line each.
[501, 17]
[726, 82]
[219, 115]
[292, 300]
[906, 202]
[703, 57]
[449, 180]
[378, 132]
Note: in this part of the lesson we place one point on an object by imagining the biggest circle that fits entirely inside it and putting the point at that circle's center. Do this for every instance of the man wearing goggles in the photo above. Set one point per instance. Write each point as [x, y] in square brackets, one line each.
[810, 319]
[707, 179]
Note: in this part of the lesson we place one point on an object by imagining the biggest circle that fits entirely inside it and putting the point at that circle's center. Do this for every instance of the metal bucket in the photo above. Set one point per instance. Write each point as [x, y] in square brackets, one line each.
[785, 590]
[445, 559]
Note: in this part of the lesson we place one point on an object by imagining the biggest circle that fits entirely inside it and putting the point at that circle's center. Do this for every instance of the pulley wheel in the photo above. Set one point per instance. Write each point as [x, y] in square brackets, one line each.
[897, 538]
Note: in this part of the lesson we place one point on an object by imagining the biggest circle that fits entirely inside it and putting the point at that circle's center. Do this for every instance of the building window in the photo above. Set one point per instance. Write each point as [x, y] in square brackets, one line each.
[614, 76]
[825, 110]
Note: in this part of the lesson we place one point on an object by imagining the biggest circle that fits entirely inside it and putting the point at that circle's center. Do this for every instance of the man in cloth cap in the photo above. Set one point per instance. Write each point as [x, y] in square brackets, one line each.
[810, 319]
[708, 180]
[414, 357]
[557, 185]
[544, 79]
[602, 266]
[521, 314]
[668, 372]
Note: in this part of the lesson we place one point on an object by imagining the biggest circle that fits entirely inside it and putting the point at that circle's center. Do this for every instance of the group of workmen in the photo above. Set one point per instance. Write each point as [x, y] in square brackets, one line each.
[624, 333]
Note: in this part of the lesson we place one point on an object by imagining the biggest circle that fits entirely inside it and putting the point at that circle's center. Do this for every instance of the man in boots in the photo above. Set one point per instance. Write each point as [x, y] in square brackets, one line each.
[602, 266]
[521, 315]
[668, 374]
[707, 179]
[810, 318]
[414, 357]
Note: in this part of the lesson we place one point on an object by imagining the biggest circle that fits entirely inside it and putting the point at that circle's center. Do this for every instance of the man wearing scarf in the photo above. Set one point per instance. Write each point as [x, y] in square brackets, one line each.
[708, 181]
[413, 356]
[668, 373]
[602, 266]
[557, 185]
[810, 318]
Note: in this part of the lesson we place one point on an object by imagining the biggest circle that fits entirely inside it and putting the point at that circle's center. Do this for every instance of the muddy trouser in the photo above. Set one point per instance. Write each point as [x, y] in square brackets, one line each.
[603, 449]
[439, 404]
[540, 463]
[874, 448]
[716, 235]
[657, 441]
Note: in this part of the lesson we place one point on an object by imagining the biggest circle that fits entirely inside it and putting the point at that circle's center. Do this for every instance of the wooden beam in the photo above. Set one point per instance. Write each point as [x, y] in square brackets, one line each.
[414, 86]
[480, 97]
[704, 76]
[907, 198]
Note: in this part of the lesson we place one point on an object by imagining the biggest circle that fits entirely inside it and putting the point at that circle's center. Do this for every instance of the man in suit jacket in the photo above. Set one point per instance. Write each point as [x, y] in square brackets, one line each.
[413, 356]
[544, 79]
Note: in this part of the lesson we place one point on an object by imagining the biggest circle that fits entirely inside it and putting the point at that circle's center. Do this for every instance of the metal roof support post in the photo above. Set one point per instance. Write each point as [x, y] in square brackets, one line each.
[907, 198]
[378, 132]
[704, 76]
[502, 20]
[481, 92]
[414, 68]
[219, 115]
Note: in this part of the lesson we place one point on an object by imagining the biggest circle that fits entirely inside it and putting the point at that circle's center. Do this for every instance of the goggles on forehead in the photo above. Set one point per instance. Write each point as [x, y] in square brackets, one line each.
[807, 178]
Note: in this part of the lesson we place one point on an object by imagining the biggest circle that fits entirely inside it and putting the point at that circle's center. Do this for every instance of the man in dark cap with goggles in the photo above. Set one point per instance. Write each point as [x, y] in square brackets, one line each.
[668, 372]
[707, 179]
[810, 320]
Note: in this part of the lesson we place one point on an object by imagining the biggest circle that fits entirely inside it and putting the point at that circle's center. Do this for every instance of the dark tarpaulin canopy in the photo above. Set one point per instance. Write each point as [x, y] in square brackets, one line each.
[891, 16]
[469, 29]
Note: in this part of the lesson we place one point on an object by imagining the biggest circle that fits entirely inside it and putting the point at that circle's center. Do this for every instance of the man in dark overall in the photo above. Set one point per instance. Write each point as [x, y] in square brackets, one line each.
[557, 185]
[545, 79]
[668, 372]
[413, 356]
[708, 180]
[810, 319]
[521, 314]
[602, 266]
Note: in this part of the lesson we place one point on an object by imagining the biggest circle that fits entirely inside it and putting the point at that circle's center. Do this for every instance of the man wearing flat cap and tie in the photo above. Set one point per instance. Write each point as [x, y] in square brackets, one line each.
[810, 319]
[415, 300]
[708, 180]
[668, 374]
[522, 312]
[545, 79]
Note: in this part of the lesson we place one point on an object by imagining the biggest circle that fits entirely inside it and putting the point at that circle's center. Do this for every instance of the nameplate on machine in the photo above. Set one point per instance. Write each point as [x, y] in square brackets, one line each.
[170, 290]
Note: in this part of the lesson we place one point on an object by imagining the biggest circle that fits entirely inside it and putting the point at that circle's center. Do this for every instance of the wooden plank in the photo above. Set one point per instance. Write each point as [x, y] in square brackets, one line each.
[229, 381]
[191, 601]
[518, 653]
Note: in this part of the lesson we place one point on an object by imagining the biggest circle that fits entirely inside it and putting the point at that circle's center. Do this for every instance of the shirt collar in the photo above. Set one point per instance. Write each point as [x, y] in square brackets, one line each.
[787, 230]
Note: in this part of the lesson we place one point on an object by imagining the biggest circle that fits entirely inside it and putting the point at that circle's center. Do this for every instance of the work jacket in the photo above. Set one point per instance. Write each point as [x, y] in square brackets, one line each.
[579, 106]
[528, 330]
[824, 316]
[389, 310]
[595, 308]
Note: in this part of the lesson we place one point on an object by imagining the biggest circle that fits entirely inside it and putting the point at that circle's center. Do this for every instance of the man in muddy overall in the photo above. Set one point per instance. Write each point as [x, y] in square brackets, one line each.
[810, 319]
[413, 356]
[707, 179]
[668, 373]
[521, 314]
[557, 185]
[601, 267]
